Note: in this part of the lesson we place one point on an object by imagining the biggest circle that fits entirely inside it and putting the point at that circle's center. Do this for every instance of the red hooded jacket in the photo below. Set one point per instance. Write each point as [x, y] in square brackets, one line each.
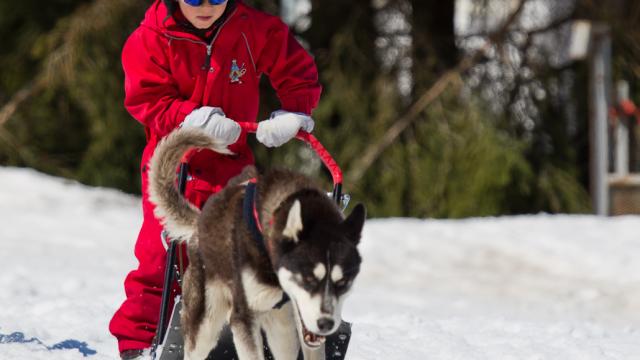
[170, 72]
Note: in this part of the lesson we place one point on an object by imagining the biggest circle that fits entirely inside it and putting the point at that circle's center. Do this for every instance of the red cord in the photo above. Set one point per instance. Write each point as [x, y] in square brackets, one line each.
[323, 154]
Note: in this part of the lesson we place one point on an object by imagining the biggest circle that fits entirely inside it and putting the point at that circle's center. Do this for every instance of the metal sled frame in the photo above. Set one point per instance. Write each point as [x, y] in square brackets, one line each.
[169, 340]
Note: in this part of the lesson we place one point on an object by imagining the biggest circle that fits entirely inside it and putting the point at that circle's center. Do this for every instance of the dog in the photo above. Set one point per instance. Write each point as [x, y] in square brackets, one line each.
[309, 254]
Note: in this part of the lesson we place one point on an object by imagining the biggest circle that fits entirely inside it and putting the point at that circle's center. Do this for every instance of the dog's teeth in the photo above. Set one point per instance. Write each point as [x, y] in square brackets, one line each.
[307, 338]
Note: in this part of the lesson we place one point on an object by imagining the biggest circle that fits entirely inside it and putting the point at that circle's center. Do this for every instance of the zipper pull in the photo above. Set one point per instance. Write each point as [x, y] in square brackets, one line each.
[207, 59]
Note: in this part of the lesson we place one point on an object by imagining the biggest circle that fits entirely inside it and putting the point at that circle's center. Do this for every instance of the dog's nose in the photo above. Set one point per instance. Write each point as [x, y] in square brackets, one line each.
[325, 324]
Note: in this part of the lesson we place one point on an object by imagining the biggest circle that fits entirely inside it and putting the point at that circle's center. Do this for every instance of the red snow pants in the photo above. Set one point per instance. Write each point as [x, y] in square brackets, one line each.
[134, 324]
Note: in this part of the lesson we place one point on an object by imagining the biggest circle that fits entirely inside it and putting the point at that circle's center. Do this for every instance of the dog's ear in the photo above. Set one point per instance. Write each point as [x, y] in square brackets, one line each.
[353, 224]
[294, 221]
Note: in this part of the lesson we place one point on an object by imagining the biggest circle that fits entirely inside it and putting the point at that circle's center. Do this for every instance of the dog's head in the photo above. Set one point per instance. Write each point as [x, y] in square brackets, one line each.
[317, 261]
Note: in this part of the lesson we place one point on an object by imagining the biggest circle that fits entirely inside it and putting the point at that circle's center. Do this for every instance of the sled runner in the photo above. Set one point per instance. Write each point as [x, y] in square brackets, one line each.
[169, 342]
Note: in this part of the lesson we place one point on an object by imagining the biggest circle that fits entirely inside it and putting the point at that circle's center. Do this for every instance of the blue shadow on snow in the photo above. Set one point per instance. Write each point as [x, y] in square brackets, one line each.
[18, 337]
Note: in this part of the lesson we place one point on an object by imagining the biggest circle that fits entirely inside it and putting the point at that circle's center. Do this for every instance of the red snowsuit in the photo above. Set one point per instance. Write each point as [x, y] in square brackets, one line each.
[170, 72]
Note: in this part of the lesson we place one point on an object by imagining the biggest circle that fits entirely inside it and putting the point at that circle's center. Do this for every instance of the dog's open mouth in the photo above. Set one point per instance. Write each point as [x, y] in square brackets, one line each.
[311, 339]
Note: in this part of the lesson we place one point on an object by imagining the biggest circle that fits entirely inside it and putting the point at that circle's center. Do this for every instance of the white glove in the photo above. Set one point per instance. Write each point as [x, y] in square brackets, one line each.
[213, 121]
[281, 127]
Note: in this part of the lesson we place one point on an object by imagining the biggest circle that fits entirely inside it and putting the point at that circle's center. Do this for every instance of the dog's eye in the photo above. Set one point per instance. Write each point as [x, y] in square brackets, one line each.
[342, 283]
[311, 281]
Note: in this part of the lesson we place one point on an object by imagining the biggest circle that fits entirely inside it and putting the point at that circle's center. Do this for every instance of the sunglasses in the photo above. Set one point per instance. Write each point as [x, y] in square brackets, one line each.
[199, 2]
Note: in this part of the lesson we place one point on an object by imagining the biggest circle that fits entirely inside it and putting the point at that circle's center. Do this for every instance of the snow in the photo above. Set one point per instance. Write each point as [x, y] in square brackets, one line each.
[530, 287]
[535, 287]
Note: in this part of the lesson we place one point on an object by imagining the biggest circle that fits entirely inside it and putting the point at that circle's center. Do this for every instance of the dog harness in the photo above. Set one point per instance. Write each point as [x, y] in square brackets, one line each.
[252, 219]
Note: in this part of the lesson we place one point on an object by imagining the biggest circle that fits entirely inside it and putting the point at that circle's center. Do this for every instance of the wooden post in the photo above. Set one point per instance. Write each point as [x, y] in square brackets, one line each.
[599, 100]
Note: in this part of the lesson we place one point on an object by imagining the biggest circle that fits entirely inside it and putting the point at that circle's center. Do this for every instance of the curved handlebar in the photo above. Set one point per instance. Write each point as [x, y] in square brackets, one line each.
[327, 159]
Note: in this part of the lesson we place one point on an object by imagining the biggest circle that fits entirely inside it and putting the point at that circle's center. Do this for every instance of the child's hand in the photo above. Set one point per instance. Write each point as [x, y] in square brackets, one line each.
[213, 121]
[281, 127]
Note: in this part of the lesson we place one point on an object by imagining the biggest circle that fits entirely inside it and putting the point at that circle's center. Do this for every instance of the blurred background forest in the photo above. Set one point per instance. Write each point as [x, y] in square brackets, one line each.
[432, 108]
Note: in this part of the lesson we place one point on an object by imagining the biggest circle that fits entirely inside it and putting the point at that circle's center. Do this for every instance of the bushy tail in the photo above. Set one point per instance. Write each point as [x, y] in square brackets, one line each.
[176, 214]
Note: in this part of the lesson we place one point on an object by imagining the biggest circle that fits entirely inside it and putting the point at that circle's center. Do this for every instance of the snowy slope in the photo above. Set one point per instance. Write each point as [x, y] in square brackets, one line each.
[532, 288]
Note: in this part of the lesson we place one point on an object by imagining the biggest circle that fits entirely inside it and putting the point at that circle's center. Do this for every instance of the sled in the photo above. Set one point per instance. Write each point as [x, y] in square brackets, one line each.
[168, 343]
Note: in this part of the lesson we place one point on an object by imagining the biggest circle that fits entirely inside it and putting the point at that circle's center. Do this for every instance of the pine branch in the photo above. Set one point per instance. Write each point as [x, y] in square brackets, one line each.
[34, 159]
[70, 32]
[18, 98]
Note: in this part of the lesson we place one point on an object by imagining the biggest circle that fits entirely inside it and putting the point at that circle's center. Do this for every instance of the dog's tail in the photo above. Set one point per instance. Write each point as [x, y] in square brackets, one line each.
[176, 214]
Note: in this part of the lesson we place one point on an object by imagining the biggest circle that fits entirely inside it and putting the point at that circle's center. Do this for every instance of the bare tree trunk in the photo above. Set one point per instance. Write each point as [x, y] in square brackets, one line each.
[331, 18]
[433, 37]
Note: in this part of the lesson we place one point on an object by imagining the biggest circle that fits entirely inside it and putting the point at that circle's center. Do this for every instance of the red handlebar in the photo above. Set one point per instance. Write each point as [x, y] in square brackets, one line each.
[327, 159]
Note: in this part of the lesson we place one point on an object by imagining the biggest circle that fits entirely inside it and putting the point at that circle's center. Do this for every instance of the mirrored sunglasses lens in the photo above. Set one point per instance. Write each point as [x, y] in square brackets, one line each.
[193, 2]
[217, 2]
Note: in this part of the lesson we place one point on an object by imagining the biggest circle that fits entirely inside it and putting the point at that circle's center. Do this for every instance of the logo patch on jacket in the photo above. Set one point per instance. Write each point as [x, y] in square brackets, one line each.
[236, 72]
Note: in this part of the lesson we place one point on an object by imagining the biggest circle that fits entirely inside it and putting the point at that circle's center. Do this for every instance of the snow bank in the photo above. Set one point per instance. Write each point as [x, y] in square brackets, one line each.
[531, 287]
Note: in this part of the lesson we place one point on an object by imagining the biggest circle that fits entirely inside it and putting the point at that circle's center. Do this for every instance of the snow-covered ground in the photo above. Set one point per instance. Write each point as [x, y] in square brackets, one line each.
[525, 288]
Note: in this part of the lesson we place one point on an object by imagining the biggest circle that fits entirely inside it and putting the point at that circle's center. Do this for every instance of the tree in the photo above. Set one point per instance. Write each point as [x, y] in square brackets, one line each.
[433, 39]
[72, 122]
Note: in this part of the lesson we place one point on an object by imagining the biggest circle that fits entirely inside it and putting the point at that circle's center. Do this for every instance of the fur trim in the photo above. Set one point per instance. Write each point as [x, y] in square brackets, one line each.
[176, 214]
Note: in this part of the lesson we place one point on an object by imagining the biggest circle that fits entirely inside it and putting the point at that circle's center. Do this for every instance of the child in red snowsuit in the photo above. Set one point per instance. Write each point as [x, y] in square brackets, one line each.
[198, 63]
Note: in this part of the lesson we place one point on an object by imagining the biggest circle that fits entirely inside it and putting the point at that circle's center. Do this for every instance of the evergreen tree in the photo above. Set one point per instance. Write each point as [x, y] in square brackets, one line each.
[74, 123]
[488, 145]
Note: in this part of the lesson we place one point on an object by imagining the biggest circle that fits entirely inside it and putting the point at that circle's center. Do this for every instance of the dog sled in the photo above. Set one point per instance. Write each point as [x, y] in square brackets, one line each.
[168, 343]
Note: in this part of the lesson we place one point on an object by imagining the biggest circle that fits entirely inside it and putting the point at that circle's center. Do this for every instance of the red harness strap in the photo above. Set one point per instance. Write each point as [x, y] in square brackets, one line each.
[256, 217]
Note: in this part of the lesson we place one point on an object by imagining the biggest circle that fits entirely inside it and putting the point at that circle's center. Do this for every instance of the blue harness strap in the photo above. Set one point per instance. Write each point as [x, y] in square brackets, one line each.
[250, 216]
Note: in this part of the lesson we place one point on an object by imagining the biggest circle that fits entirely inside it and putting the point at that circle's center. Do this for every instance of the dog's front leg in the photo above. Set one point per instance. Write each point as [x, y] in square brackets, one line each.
[203, 317]
[279, 326]
[317, 354]
[247, 337]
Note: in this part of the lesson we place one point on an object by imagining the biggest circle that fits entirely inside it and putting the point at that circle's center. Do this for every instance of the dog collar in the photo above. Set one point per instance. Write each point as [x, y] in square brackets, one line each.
[252, 219]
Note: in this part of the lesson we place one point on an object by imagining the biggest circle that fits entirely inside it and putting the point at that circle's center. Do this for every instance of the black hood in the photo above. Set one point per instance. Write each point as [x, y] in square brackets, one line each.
[172, 6]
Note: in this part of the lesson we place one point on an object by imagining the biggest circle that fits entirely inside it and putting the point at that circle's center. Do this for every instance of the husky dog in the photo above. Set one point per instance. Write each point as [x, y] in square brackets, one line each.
[309, 253]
